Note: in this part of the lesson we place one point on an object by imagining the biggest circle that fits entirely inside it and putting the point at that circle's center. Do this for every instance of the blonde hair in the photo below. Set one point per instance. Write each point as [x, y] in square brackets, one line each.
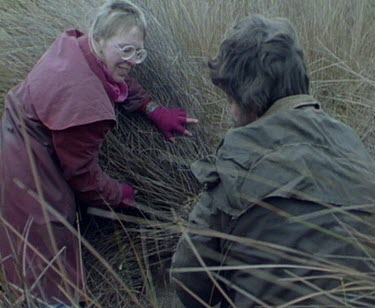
[112, 16]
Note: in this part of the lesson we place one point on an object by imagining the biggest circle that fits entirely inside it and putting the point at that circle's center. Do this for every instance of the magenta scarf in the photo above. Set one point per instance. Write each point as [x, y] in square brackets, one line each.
[117, 91]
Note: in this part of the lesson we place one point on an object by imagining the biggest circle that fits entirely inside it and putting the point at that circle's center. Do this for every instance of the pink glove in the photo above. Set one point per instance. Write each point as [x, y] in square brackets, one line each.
[168, 120]
[127, 196]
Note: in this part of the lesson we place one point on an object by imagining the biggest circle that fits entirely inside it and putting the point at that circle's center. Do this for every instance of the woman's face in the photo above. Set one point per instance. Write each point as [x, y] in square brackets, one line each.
[111, 54]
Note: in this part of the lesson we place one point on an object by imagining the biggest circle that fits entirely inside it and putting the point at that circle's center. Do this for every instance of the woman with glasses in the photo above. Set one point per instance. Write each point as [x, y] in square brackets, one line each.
[51, 131]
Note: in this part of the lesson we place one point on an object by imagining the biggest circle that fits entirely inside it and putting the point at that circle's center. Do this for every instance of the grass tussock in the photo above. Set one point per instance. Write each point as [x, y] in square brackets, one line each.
[339, 41]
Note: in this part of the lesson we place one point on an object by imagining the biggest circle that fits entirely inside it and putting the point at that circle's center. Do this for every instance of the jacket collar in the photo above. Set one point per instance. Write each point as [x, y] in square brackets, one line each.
[117, 91]
[292, 102]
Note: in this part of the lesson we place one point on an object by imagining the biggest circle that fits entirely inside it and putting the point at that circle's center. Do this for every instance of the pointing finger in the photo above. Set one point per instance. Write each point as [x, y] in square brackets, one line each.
[187, 133]
[191, 120]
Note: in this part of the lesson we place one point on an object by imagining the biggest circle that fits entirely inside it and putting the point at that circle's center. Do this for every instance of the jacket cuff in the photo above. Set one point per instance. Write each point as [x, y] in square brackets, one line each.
[127, 195]
[148, 107]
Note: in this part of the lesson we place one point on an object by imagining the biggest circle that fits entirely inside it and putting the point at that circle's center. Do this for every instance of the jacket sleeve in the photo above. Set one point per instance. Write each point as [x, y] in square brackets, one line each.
[137, 96]
[77, 149]
[204, 216]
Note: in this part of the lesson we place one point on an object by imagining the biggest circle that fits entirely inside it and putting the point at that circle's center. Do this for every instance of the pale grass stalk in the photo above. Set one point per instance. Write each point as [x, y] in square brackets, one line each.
[277, 250]
[85, 243]
[39, 191]
[190, 292]
[329, 293]
[345, 67]
[36, 251]
[48, 266]
[238, 289]
[209, 274]
[271, 248]
[144, 266]
[80, 256]
[150, 290]
[223, 268]
[25, 236]
[357, 243]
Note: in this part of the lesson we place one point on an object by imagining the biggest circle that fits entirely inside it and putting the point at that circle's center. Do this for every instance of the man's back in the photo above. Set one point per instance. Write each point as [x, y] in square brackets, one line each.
[290, 187]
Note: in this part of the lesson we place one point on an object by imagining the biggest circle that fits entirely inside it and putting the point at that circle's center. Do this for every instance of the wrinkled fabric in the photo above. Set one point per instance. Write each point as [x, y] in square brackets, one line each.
[26, 245]
[293, 161]
[77, 150]
[50, 134]
[300, 153]
[65, 81]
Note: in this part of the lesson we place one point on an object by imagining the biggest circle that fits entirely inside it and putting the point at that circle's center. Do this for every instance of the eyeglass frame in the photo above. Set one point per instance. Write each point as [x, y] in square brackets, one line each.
[135, 54]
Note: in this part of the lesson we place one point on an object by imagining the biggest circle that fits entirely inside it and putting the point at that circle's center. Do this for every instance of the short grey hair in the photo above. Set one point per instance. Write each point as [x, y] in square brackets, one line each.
[260, 61]
[114, 15]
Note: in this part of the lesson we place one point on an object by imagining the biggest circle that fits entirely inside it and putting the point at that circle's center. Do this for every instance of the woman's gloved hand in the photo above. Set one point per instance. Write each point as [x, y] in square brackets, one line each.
[128, 194]
[169, 120]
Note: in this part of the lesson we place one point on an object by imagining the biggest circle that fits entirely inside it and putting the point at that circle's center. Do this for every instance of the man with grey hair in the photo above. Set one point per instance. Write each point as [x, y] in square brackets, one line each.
[284, 216]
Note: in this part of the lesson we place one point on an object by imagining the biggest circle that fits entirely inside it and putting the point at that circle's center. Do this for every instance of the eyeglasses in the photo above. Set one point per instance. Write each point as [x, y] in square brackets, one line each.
[129, 52]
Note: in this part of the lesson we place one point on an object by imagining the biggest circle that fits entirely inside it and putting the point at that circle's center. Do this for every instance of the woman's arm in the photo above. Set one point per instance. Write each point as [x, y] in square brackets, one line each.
[77, 149]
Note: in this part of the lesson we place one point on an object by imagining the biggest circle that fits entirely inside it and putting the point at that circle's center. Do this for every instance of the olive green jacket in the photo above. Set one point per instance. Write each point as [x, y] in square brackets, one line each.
[294, 152]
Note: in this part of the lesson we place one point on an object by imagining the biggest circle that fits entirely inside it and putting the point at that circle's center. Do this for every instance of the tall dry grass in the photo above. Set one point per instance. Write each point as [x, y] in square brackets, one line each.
[339, 41]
